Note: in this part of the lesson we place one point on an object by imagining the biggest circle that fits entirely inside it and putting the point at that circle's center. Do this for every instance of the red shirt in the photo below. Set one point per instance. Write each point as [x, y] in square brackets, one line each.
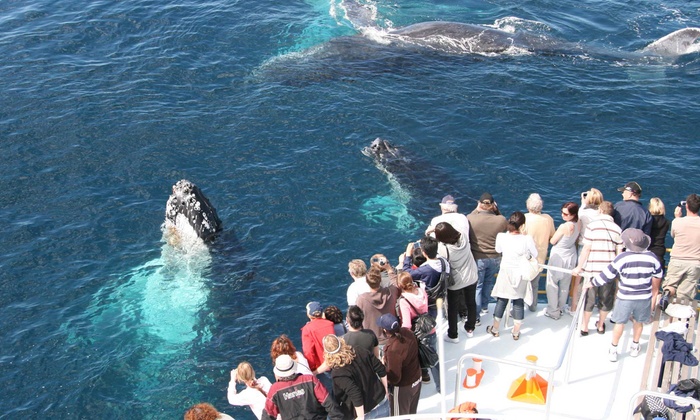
[312, 340]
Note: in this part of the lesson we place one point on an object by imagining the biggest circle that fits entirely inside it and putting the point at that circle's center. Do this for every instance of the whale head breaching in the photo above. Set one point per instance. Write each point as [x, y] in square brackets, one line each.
[381, 151]
[187, 205]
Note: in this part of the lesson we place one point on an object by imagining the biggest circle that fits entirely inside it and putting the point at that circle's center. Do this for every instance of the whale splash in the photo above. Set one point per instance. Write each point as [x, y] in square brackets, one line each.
[157, 312]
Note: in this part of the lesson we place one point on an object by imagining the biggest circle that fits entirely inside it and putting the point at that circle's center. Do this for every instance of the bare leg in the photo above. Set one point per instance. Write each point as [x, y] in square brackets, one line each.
[617, 333]
[636, 331]
[601, 319]
[575, 293]
[585, 320]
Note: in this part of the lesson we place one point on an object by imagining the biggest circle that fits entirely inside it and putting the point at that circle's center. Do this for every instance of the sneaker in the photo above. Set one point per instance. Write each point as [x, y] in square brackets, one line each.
[451, 340]
[470, 334]
[612, 354]
[665, 299]
[635, 348]
[484, 311]
[478, 322]
[555, 317]
[426, 379]
[462, 318]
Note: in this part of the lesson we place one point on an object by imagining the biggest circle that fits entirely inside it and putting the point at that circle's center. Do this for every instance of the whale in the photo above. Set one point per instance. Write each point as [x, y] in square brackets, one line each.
[187, 203]
[371, 48]
[416, 187]
[466, 38]
[149, 320]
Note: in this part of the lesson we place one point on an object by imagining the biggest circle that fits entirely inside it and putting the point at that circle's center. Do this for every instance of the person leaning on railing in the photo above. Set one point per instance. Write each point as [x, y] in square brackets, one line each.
[684, 267]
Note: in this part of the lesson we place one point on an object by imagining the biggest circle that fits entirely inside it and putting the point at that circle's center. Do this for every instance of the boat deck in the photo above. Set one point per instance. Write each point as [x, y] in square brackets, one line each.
[596, 388]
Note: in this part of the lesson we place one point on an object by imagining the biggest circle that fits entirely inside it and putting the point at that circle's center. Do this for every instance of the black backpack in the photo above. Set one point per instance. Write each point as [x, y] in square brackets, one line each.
[440, 289]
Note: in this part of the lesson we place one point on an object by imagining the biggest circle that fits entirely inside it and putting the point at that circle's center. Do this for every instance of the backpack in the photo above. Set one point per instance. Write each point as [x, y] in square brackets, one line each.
[440, 289]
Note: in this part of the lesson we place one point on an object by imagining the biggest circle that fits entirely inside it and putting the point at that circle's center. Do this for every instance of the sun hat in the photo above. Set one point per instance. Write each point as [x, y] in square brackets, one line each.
[285, 366]
[635, 240]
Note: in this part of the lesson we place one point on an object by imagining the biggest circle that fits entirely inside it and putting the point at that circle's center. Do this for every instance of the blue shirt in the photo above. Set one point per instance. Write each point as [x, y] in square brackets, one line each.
[428, 273]
[631, 214]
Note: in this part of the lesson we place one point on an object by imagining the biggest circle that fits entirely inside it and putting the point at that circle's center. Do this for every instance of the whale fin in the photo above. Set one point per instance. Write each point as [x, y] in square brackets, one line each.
[677, 43]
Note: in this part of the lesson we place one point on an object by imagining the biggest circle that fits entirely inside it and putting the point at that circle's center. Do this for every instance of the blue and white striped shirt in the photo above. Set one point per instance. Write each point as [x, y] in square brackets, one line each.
[636, 270]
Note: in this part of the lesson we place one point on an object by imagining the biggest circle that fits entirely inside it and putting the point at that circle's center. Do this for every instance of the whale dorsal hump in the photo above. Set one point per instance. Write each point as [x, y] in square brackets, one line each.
[676, 43]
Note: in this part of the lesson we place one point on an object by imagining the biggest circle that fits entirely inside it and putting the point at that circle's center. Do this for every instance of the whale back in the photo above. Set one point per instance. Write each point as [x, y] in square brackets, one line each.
[188, 200]
[674, 44]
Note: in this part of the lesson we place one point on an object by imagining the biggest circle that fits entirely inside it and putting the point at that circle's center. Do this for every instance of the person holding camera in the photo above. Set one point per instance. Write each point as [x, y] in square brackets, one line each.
[380, 262]
[684, 267]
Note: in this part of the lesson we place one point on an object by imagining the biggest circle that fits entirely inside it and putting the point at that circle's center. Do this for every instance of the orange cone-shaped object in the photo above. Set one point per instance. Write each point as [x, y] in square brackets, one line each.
[530, 387]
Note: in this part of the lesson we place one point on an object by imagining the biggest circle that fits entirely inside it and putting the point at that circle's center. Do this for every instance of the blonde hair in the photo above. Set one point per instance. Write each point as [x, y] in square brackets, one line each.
[594, 198]
[656, 206]
[336, 352]
[357, 268]
[245, 372]
[534, 203]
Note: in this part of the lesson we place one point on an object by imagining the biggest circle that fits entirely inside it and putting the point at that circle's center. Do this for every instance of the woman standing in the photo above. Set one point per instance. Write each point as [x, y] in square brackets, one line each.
[510, 285]
[590, 201]
[359, 379]
[283, 345]
[659, 229]
[413, 302]
[455, 249]
[402, 366]
[563, 254]
[256, 390]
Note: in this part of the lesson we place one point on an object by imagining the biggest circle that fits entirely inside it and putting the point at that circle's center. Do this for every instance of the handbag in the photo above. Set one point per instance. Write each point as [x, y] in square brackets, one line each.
[422, 325]
[529, 267]
[440, 289]
[428, 358]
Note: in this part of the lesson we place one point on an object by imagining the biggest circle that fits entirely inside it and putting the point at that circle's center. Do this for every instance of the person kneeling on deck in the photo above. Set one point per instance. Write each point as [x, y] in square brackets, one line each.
[640, 276]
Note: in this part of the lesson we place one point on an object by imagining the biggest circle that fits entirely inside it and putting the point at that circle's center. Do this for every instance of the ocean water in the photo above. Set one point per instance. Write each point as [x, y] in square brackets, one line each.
[266, 106]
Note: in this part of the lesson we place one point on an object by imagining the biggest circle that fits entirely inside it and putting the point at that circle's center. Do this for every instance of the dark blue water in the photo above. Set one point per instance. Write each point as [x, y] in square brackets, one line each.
[106, 104]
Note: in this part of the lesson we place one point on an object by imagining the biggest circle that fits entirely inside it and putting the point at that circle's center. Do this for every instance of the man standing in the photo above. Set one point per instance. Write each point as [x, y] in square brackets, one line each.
[449, 215]
[357, 270]
[684, 267]
[601, 244]
[630, 213]
[541, 228]
[296, 396]
[485, 223]
[640, 275]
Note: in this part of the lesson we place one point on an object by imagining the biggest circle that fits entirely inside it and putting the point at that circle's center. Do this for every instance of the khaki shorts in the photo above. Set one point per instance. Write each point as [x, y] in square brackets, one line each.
[682, 276]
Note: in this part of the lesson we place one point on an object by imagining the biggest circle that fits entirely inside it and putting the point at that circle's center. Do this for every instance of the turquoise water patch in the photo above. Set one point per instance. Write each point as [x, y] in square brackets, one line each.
[387, 209]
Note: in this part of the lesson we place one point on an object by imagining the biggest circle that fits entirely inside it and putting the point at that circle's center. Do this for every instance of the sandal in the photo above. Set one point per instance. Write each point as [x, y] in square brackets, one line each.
[516, 337]
[491, 331]
[599, 330]
[584, 333]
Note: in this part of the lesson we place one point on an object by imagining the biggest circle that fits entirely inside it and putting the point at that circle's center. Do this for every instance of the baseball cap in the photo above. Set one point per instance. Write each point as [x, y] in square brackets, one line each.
[389, 322]
[448, 199]
[631, 187]
[314, 309]
[486, 198]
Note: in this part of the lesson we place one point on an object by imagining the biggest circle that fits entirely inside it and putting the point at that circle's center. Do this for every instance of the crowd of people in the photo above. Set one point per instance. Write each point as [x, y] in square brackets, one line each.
[367, 364]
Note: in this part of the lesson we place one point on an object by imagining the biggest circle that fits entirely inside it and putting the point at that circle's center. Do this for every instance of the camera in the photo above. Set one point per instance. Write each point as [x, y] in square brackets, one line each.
[584, 194]
[382, 261]
[682, 204]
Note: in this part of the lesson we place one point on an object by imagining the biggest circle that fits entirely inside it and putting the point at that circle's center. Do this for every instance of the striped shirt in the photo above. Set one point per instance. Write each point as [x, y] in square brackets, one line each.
[603, 236]
[636, 270]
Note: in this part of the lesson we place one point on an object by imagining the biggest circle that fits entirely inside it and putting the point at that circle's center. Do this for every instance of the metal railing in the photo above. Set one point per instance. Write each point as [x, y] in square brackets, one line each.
[566, 351]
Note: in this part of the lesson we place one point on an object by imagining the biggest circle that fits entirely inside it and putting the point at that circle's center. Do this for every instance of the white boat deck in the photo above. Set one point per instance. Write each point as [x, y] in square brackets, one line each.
[596, 388]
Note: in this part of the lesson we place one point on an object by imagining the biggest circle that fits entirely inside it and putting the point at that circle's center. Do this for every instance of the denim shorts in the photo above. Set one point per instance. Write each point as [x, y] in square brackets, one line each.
[640, 310]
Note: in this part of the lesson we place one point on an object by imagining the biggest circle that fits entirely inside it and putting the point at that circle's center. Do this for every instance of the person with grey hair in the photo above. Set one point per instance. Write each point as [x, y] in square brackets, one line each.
[449, 207]
[541, 228]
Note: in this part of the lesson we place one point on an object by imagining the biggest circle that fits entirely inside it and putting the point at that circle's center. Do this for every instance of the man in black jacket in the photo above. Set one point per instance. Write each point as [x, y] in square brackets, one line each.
[298, 397]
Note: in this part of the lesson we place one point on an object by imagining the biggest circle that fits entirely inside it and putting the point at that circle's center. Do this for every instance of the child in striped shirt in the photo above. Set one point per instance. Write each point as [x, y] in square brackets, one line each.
[640, 277]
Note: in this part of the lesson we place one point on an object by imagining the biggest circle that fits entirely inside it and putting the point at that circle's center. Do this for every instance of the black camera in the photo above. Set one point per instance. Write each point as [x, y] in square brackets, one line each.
[682, 204]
